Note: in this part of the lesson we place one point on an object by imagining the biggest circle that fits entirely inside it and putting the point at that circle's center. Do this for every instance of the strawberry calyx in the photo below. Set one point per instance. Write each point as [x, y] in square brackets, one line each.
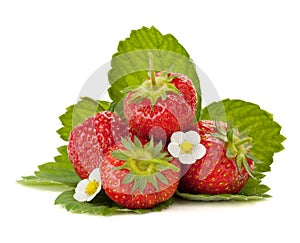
[144, 163]
[153, 88]
[238, 146]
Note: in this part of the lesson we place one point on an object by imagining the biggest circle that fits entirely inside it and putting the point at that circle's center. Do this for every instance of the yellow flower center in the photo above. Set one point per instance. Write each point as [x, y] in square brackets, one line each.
[91, 187]
[186, 147]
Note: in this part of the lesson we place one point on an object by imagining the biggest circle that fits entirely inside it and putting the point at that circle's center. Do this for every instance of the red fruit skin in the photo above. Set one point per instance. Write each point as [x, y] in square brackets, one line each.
[214, 173]
[90, 140]
[121, 193]
[186, 88]
[160, 121]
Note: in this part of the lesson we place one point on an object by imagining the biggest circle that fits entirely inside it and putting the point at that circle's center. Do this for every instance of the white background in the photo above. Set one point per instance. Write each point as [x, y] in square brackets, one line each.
[249, 50]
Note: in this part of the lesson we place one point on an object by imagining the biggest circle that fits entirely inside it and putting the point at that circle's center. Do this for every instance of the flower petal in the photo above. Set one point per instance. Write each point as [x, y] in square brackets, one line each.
[82, 185]
[192, 137]
[201, 151]
[177, 137]
[187, 159]
[89, 198]
[80, 196]
[174, 149]
[95, 175]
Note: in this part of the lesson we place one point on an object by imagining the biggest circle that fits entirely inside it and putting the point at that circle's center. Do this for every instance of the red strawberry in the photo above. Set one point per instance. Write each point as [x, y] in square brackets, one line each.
[226, 166]
[139, 176]
[158, 108]
[89, 141]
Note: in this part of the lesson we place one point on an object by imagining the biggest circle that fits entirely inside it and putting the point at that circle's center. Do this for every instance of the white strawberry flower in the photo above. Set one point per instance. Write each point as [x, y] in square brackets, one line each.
[87, 189]
[186, 147]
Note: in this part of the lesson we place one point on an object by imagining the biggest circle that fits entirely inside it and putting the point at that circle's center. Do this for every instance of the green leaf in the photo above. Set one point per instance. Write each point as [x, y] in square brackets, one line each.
[254, 186]
[76, 114]
[258, 124]
[102, 205]
[36, 181]
[51, 173]
[130, 64]
[220, 197]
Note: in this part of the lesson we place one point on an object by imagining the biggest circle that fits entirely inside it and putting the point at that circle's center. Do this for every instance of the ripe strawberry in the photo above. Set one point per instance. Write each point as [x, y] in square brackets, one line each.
[89, 141]
[139, 176]
[227, 164]
[160, 106]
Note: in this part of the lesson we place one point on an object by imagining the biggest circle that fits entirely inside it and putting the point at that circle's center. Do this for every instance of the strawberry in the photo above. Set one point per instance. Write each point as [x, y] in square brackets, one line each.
[138, 176]
[160, 106]
[227, 164]
[90, 140]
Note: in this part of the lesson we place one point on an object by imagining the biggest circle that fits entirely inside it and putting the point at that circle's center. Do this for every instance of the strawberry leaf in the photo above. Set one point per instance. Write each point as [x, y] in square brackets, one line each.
[60, 172]
[254, 186]
[130, 65]
[102, 205]
[220, 197]
[36, 181]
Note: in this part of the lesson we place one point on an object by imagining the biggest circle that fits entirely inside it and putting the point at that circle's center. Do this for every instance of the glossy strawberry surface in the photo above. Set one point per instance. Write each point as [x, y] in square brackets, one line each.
[161, 120]
[186, 88]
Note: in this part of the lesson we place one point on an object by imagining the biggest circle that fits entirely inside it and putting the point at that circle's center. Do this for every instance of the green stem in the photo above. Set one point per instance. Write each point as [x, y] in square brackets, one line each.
[152, 73]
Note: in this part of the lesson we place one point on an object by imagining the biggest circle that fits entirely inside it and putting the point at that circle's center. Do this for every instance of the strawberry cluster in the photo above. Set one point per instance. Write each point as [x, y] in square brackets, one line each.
[158, 147]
